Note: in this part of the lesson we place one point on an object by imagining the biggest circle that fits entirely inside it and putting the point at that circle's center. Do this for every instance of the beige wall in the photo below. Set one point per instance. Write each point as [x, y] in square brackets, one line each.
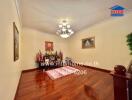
[110, 41]
[9, 70]
[33, 41]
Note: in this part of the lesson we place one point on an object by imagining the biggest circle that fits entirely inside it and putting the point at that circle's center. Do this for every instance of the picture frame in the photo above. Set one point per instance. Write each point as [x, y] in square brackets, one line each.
[16, 41]
[88, 43]
[48, 46]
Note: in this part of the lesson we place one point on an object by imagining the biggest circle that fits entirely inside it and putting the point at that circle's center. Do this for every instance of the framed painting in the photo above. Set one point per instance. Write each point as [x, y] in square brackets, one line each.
[16, 42]
[48, 46]
[88, 43]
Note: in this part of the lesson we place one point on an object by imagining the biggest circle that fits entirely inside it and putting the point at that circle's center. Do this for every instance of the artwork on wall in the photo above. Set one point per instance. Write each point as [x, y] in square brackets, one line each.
[48, 46]
[88, 43]
[16, 42]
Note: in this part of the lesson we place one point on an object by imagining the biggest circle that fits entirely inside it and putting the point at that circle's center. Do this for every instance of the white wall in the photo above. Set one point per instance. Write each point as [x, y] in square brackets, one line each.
[33, 41]
[9, 70]
[110, 43]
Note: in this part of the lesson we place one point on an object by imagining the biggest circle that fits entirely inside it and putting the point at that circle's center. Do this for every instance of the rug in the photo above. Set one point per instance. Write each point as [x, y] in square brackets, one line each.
[61, 72]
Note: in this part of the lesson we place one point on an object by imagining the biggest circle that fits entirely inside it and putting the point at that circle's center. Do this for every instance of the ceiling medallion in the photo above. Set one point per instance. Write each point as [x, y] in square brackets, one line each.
[64, 29]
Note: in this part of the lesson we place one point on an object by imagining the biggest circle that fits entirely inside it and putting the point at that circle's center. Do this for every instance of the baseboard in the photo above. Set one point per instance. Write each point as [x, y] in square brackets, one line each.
[95, 68]
[91, 67]
[29, 70]
[99, 69]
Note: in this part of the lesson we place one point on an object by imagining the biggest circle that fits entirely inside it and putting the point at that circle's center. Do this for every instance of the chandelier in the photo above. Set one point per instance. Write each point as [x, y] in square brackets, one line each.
[65, 30]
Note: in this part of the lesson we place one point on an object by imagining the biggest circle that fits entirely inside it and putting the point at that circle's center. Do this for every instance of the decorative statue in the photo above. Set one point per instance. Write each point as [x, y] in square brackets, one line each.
[61, 55]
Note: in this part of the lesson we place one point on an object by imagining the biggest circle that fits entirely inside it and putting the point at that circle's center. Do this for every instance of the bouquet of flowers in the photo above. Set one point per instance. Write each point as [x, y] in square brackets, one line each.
[39, 57]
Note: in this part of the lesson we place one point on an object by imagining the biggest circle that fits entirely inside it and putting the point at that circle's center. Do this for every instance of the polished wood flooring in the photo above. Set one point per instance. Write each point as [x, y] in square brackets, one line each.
[95, 85]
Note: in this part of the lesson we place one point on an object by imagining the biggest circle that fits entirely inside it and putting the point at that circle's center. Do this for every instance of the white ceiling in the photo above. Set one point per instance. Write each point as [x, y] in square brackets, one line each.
[45, 15]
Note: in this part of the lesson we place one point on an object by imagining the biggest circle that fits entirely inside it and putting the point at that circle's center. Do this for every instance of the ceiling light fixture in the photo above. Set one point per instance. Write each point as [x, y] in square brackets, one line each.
[64, 30]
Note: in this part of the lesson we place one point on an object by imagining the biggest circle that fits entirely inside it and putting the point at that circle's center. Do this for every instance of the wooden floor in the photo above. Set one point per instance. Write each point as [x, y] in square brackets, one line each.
[95, 85]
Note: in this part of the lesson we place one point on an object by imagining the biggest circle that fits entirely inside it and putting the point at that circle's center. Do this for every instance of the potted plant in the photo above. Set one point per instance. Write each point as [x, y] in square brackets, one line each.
[129, 43]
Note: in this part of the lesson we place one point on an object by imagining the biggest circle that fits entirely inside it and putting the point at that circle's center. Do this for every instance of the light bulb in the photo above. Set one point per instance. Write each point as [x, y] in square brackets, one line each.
[64, 35]
[72, 32]
[68, 26]
[69, 30]
[60, 26]
[63, 29]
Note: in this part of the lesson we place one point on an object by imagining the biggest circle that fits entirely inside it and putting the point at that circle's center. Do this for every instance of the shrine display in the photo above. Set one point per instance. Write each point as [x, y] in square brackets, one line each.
[49, 59]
